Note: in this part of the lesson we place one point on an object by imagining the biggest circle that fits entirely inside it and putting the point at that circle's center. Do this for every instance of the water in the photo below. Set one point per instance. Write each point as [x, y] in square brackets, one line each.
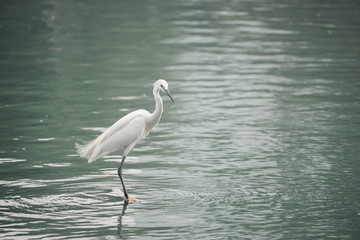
[262, 143]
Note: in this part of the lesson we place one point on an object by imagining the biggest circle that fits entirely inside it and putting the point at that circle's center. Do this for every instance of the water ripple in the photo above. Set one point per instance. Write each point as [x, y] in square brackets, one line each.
[262, 142]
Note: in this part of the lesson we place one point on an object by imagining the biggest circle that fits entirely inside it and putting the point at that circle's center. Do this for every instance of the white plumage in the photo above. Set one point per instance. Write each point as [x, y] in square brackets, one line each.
[126, 132]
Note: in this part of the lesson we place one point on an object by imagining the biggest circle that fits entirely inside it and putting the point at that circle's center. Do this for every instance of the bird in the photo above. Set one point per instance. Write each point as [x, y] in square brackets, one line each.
[126, 133]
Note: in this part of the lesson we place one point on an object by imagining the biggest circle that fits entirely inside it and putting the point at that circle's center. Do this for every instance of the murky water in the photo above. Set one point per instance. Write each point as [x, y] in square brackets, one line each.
[262, 143]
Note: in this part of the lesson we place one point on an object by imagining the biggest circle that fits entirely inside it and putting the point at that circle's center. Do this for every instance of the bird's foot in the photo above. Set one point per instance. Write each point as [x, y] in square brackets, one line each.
[131, 199]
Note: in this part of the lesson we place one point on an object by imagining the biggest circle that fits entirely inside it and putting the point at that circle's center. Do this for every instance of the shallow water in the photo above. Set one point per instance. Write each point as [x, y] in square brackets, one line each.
[262, 143]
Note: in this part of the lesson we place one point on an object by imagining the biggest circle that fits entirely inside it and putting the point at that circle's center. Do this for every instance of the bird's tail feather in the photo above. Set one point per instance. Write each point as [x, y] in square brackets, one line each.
[90, 150]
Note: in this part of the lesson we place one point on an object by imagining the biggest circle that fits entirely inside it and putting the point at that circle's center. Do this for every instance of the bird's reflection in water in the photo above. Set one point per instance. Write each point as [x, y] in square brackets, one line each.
[120, 225]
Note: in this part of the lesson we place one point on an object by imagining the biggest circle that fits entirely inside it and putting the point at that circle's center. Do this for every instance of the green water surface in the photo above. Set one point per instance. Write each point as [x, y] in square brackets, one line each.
[262, 143]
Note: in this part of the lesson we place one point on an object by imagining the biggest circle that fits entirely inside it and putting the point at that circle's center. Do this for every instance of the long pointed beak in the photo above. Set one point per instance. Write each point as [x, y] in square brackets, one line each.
[168, 93]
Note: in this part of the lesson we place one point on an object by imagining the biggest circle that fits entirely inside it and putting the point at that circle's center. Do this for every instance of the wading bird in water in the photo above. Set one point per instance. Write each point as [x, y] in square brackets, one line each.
[126, 132]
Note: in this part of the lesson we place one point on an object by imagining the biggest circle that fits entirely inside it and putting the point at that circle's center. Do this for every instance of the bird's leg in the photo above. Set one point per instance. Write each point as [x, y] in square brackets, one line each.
[121, 178]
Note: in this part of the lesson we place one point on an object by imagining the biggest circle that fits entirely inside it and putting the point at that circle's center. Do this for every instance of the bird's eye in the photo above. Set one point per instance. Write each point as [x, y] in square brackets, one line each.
[161, 86]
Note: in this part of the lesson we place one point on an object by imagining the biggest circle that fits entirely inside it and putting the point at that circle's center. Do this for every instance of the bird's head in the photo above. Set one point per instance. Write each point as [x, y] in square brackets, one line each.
[162, 85]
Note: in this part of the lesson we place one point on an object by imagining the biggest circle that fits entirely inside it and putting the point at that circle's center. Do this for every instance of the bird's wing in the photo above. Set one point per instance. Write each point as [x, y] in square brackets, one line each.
[91, 150]
[125, 137]
[122, 122]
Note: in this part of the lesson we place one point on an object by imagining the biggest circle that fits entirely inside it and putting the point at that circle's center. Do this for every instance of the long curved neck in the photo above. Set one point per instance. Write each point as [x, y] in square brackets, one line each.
[156, 115]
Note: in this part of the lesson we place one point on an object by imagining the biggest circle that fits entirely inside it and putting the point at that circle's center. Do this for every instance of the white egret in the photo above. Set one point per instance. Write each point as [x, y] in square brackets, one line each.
[126, 132]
